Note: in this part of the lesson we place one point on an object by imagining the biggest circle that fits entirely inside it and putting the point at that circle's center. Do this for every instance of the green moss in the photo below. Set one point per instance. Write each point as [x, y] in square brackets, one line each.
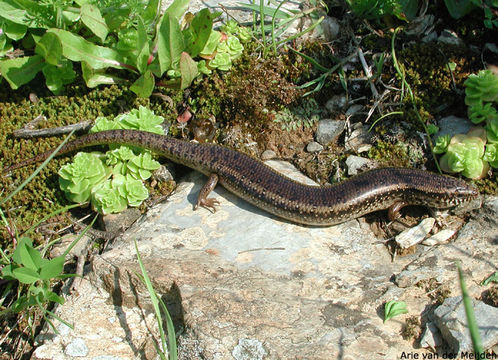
[427, 72]
[42, 196]
[390, 154]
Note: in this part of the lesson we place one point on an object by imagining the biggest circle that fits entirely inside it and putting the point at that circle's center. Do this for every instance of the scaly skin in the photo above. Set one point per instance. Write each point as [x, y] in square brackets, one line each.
[263, 187]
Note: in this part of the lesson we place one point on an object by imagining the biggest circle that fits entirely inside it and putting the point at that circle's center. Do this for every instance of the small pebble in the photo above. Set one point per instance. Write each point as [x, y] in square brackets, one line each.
[336, 103]
[353, 109]
[268, 155]
[164, 173]
[415, 234]
[452, 125]
[314, 147]
[331, 28]
[359, 140]
[328, 130]
[357, 164]
[441, 237]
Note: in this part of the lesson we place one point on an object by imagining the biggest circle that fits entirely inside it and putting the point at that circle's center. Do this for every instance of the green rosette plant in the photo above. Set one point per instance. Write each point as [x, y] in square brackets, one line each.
[480, 88]
[465, 154]
[106, 198]
[491, 155]
[114, 180]
[140, 167]
[78, 178]
[480, 112]
[473, 154]
[492, 130]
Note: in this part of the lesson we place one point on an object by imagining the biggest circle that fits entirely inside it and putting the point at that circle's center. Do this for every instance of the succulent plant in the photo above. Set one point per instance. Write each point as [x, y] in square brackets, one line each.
[480, 88]
[221, 61]
[480, 112]
[78, 178]
[87, 177]
[106, 198]
[465, 154]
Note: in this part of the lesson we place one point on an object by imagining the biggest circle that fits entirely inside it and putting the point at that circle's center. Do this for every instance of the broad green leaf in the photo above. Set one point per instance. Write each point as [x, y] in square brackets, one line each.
[10, 11]
[169, 43]
[94, 77]
[76, 48]
[115, 18]
[458, 8]
[92, 18]
[16, 256]
[20, 71]
[52, 268]
[70, 16]
[13, 30]
[152, 10]
[51, 296]
[50, 48]
[7, 272]
[200, 29]
[177, 9]
[394, 308]
[25, 275]
[30, 257]
[142, 46]
[188, 69]
[144, 85]
[57, 76]
[20, 304]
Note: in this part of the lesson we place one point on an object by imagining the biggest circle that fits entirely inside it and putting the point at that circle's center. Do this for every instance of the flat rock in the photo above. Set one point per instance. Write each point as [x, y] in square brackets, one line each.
[451, 320]
[240, 281]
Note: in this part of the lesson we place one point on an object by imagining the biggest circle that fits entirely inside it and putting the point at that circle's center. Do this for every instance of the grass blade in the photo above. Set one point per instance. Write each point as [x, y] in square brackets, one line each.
[471, 319]
[156, 302]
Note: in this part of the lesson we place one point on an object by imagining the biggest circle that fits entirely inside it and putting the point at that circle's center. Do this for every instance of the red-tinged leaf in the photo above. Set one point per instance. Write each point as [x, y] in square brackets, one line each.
[188, 70]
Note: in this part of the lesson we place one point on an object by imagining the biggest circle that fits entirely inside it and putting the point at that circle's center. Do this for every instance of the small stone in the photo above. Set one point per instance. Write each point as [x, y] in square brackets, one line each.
[77, 348]
[451, 320]
[353, 109]
[452, 125]
[164, 173]
[336, 103]
[268, 155]
[450, 37]
[330, 26]
[441, 237]
[314, 147]
[358, 164]
[431, 337]
[359, 140]
[249, 349]
[328, 130]
[415, 234]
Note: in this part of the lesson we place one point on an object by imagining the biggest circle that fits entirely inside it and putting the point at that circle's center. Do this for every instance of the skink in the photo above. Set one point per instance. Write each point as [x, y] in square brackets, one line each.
[257, 183]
